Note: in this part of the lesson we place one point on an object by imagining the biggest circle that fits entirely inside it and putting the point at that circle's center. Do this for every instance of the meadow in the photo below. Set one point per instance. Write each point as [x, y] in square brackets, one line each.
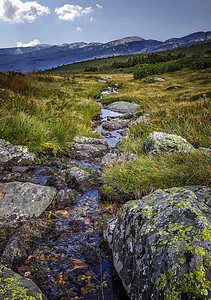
[45, 112]
[179, 105]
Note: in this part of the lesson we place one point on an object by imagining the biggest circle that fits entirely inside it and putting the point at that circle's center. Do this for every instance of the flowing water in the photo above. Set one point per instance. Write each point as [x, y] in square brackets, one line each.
[74, 262]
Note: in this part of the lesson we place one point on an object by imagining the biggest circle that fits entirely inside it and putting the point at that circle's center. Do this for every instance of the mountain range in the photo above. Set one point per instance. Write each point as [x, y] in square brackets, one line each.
[43, 56]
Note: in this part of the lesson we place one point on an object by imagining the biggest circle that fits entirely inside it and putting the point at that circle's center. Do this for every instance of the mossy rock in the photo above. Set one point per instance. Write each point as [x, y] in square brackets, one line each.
[161, 245]
[15, 287]
[158, 142]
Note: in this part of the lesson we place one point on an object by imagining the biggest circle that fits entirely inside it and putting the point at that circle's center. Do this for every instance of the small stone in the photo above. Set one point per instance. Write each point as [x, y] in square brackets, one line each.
[62, 213]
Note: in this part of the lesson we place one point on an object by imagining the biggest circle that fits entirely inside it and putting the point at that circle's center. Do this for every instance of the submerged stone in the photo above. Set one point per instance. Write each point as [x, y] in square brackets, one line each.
[161, 244]
[23, 239]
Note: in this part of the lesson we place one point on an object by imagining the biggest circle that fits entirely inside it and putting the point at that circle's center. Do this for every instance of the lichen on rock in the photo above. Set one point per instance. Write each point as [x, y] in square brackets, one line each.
[13, 286]
[14, 155]
[161, 245]
[158, 142]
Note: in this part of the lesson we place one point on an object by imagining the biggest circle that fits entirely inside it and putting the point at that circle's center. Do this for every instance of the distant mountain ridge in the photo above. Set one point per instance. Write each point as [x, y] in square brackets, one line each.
[40, 57]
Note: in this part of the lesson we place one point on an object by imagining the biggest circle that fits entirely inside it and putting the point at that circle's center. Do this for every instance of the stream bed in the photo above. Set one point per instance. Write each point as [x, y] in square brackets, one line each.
[74, 262]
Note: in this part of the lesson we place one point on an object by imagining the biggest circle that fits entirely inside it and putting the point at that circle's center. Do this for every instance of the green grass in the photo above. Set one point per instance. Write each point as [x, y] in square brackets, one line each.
[46, 112]
[184, 111]
[146, 174]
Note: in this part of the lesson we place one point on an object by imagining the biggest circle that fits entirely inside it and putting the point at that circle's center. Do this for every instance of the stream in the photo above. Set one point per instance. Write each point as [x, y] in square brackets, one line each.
[74, 262]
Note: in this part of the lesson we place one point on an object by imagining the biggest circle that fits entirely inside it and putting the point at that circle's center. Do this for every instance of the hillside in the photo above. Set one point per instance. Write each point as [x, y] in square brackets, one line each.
[106, 64]
[46, 56]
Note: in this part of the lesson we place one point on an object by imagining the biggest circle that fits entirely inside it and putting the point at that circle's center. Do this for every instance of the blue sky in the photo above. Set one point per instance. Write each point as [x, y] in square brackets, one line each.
[62, 21]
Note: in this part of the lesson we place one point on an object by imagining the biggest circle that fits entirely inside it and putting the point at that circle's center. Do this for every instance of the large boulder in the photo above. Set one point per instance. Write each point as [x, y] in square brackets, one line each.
[123, 107]
[158, 142]
[14, 155]
[20, 201]
[88, 148]
[161, 244]
[14, 286]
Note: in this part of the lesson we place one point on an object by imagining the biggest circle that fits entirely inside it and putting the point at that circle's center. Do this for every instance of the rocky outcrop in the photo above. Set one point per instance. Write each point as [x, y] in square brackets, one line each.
[88, 148]
[123, 107]
[14, 155]
[20, 201]
[116, 158]
[161, 244]
[158, 142]
[23, 239]
[14, 286]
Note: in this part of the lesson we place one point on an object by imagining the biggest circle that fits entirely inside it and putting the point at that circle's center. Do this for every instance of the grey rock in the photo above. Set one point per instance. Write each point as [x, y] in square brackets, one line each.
[23, 239]
[108, 230]
[88, 148]
[14, 286]
[86, 140]
[20, 201]
[115, 124]
[58, 180]
[81, 180]
[158, 79]
[161, 244]
[21, 169]
[143, 118]
[116, 158]
[14, 155]
[127, 116]
[158, 142]
[123, 107]
[205, 150]
[65, 198]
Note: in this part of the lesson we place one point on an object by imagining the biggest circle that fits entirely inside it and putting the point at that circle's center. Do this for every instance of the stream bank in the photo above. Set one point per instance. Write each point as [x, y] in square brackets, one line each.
[73, 262]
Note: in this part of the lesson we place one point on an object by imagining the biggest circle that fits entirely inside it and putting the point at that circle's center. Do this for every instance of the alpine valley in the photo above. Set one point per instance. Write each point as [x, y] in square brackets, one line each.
[40, 57]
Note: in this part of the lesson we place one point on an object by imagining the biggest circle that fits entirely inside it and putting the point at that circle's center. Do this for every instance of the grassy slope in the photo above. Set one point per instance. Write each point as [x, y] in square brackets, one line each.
[184, 111]
[106, 62]
[46, 112]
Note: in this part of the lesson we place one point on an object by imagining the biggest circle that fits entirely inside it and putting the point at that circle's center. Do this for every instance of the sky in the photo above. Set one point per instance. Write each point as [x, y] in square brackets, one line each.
[27, 23]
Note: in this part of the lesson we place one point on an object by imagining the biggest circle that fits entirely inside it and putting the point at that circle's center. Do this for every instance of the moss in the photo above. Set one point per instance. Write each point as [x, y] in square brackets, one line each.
[106, 189]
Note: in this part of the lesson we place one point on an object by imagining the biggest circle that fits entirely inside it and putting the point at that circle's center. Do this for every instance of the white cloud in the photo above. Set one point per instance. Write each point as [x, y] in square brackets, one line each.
[16, 11]
[78, 28]
[70, 12]
[92, 20]
[32, 43]
[99, 6]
